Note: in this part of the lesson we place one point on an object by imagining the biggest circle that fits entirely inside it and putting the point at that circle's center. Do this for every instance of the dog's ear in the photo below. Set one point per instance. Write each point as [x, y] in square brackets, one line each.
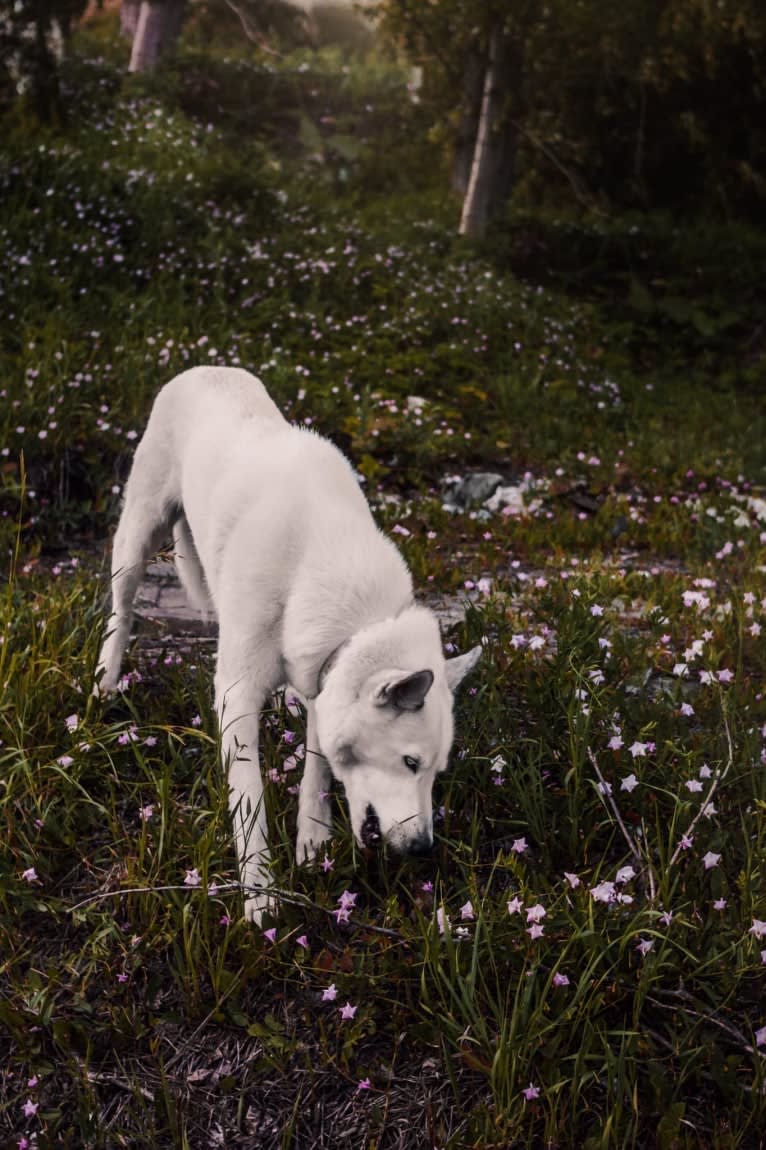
[407, 693]
[458, 668]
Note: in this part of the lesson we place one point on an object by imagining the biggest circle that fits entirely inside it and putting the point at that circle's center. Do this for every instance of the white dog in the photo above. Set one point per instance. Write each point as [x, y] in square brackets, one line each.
[273, 535]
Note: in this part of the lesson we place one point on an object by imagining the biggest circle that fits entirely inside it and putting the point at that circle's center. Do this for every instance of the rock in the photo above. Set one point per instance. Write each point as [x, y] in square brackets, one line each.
[470, 490]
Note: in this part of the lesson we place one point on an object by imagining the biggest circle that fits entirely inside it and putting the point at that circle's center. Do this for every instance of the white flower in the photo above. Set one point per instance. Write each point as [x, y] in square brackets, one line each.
[711, 859]
[629, 783]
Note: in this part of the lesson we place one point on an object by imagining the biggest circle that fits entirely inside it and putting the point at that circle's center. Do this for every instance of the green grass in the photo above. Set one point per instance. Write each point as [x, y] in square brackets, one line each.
[137, 1009]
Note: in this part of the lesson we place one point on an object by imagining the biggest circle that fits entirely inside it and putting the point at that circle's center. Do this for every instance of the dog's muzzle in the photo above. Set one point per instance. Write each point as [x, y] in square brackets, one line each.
[372, 837]
[370, 833]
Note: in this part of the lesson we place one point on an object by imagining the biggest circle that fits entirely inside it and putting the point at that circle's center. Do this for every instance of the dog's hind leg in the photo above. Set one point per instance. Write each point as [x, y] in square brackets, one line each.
[314, 815]
[189, 567]
[151, 505]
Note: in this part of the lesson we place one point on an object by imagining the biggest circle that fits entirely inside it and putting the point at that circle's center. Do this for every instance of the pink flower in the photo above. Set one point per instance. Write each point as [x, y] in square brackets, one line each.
[644, 945]
[760, 1037]
[271, 934]
[758, 928]
[32, 1082]
[596, 610]
[686, 842]
[30, 1108]
[65, 760]
[515, 905]
[603, 892]
[193, 878]
[330, 993]
[572, 879]
[720, 904]
[466, 911]
[560, 979]
[536, 913]
[364, 1084]
[72, 722]
[146, 812]
[303, 941]
[196, 721]
[536, 930]
[711, 859]
[531, 1092]
[327, 864]
[348, 1011]
[615, 743]
[30, 875]
[518, 846]
[224, 920]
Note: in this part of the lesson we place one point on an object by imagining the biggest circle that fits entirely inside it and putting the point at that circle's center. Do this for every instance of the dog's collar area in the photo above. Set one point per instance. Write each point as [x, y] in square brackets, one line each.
[332, 658]
[328, 665]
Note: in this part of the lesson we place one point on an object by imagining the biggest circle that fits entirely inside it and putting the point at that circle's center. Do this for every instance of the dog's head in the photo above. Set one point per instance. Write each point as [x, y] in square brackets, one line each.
[384, 722]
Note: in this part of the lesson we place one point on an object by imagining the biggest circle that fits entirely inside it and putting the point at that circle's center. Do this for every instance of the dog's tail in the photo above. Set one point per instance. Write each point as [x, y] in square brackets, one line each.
[189, 567]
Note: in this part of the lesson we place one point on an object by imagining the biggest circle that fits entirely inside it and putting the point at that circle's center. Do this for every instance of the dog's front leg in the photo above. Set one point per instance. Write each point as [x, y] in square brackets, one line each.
[314, 814]
[238, 707]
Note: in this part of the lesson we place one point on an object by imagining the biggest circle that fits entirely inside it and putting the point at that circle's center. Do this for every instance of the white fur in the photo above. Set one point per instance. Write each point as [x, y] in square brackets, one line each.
[273, 535]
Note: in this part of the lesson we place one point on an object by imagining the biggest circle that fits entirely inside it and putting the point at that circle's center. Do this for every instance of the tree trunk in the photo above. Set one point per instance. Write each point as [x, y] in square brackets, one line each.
[129, 10]
[492, 165]
[468, 125]
[159, 23]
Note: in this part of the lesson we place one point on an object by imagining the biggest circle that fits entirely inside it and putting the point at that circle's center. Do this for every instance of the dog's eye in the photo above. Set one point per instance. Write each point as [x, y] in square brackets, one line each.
[411, 763]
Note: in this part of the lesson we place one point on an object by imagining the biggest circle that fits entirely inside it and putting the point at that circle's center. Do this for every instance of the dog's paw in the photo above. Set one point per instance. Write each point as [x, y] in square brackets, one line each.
[306, 849]
[256, 906]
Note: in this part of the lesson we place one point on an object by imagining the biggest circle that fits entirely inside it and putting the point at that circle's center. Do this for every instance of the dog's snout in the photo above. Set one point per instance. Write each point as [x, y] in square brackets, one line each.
[421, 846]
[371, 836]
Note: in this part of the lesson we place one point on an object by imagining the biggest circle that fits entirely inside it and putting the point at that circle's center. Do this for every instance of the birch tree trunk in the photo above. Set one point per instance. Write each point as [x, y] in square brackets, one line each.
[129, 10]
[159, 23]
[491, 174]
[468, 124]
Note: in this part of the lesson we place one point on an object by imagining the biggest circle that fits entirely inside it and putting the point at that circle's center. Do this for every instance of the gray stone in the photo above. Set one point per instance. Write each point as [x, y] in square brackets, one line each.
[472, 489]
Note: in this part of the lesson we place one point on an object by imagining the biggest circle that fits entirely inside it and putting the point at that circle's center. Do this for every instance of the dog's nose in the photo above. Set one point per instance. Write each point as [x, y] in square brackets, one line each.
[371, 836]
[421, 846]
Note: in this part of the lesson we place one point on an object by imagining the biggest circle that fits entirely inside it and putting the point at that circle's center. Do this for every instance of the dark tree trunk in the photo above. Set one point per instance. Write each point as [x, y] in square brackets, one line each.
[159, 24]
[492, 165]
